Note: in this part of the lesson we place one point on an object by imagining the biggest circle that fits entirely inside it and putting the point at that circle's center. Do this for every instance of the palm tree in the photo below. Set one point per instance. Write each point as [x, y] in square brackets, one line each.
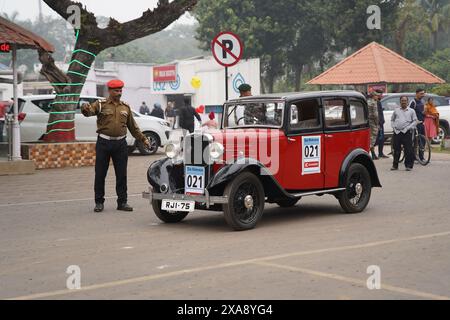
[438, 13]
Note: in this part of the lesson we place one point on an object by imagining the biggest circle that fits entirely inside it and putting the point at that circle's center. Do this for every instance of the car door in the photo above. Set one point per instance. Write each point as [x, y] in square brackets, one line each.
[302, 159]
[338, 140]
[35, 124]
[85, 127]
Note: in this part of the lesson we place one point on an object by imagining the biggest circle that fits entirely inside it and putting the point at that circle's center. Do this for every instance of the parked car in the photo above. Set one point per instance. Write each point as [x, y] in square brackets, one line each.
[35, 110]
[392, 101]
[271, 148]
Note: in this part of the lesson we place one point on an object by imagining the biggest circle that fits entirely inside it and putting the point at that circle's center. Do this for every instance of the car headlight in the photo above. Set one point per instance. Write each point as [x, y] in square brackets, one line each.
[164, 123]
[172, 150]
[216, 150]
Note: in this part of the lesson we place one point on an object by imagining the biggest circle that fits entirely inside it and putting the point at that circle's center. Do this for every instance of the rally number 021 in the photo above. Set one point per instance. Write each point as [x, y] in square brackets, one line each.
[311, 151]
[193, 180]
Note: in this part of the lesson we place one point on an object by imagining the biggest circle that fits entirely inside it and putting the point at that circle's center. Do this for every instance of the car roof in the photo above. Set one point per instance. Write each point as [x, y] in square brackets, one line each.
[385, 95]
[301, 95]
[52, 96]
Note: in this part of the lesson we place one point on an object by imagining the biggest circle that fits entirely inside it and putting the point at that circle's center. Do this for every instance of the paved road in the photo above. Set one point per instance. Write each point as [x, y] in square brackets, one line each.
[312, 251]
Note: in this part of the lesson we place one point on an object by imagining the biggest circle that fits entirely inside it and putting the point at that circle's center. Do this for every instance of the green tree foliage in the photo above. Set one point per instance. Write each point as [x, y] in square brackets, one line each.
[291, 34]
[439, 64]
[178, 42]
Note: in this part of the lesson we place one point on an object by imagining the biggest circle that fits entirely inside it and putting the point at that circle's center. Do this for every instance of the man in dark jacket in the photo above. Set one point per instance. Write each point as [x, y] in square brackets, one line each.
[381, 121]
[157, 111]
[187, 114]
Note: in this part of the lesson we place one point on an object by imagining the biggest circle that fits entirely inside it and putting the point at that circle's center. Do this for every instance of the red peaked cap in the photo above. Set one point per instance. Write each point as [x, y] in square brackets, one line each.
[115, 84]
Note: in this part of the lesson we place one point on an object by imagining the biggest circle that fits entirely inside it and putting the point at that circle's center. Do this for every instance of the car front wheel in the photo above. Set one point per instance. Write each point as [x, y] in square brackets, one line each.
[167, 216]
[154, 144]
[245, 202]
[356, 196]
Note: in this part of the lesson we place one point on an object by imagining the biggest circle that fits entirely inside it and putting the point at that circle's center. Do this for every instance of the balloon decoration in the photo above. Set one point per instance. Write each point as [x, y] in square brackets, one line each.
[196, 82]
[200, 109]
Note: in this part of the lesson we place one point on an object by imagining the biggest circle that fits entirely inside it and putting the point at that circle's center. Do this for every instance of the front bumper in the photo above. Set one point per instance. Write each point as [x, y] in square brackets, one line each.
[204, 199]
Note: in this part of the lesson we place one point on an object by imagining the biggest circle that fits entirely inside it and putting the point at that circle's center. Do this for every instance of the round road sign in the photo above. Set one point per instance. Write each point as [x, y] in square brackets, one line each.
[227, 49]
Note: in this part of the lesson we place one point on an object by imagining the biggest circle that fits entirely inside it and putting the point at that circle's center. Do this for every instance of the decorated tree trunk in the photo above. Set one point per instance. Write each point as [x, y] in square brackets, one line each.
[90, 41]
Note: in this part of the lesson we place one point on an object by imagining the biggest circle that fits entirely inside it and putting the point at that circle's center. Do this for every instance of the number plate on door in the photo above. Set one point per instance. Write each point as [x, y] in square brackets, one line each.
[194, 181]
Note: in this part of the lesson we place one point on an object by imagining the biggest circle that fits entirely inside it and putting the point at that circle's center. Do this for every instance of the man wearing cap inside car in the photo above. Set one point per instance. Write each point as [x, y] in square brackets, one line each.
[113, 118]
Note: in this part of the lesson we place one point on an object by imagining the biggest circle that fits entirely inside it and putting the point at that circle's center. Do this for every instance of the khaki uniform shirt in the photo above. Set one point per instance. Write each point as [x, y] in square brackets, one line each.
[113, 119]
[373, 120]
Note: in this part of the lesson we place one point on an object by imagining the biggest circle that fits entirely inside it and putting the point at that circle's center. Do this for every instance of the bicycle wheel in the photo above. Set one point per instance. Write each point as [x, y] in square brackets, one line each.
[402, 154]
[424, 150]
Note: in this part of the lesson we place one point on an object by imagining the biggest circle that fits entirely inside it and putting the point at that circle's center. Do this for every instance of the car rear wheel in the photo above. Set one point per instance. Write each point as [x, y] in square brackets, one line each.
[167, 216]
[245, 202]
[154, 144]
[287, 202]
[441, 135]
[358, 189]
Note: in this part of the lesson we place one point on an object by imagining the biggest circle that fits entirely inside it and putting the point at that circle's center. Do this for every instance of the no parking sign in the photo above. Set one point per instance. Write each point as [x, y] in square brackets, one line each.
[227, 49]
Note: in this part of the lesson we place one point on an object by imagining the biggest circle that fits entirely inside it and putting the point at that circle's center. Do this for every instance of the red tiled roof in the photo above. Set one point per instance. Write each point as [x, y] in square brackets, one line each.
[375, 64]
[13, 34]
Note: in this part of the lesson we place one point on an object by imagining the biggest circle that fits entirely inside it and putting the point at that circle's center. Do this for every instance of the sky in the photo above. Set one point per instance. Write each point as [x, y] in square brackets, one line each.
[119, 9]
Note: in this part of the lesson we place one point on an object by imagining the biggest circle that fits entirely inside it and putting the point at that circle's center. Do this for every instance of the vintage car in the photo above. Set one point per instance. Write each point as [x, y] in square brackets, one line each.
[271, 149]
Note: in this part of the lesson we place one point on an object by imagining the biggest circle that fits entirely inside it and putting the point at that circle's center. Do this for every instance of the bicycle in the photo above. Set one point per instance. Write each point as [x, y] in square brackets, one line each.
[421, 146]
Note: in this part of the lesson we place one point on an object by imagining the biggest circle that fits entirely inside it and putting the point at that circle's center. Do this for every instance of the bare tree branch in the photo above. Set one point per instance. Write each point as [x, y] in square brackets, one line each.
[150, 22]
[50, 71]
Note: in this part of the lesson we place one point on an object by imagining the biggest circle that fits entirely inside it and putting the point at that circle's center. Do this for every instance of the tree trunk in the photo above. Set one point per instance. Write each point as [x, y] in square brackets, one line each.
[263, 87]
[61, 123]
[92, 40]
[298, 77]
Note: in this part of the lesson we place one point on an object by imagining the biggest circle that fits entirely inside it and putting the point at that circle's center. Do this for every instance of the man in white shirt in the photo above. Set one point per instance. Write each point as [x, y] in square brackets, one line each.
[404, 120]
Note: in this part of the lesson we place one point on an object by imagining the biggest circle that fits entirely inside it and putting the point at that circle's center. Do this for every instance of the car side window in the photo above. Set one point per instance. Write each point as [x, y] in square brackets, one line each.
[305, 115]
[391, 104]
[358, 114]
[335, 113]
[44, 105]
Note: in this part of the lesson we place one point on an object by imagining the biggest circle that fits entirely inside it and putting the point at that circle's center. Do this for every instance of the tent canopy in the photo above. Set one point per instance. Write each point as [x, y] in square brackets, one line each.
[375, 64]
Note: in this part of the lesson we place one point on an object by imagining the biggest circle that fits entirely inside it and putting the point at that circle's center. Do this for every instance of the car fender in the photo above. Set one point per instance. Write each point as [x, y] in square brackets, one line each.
[362, 157]
[164, 171]
[228, 172]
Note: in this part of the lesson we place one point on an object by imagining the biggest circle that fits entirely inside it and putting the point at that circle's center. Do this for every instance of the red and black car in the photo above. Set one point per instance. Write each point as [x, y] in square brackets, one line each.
[271, 149]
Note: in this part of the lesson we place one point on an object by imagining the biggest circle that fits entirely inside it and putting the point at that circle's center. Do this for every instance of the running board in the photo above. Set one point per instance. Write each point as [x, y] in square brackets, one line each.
[312, 193]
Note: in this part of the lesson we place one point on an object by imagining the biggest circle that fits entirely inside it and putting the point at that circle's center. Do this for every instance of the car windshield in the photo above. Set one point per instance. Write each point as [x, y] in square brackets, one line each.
[254, 114]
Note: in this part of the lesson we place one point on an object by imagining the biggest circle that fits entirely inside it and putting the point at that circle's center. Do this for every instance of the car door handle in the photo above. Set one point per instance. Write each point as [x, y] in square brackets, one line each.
[292, 140]
[329, 136]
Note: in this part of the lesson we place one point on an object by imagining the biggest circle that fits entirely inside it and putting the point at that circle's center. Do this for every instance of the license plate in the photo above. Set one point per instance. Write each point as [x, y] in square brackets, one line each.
[177, 205]
[194, 181]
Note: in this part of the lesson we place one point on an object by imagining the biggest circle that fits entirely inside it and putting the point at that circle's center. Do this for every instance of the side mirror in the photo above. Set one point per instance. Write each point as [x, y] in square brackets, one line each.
[294, 114]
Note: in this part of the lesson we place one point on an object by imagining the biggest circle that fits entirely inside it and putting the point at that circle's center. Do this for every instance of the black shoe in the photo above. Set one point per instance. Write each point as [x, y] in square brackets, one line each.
[98, 207]
[383, 156]
[394, 168]
[408, 169]
[124, 207]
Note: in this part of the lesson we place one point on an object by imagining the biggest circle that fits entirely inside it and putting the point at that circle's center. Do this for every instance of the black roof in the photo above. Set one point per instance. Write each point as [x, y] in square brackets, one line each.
[302, 95]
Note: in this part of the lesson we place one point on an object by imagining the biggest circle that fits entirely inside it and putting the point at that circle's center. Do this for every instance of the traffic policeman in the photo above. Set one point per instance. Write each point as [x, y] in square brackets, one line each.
[113, 118]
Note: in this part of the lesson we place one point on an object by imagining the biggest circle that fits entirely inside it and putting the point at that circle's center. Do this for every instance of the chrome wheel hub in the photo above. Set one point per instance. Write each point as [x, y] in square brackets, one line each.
[358, 189]
[248, 202]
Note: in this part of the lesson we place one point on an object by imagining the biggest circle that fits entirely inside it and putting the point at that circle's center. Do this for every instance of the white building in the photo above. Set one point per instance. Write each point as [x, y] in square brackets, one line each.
[140, 85]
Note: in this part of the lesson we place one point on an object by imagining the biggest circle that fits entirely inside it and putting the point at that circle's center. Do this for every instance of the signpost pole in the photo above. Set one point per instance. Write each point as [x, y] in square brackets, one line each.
[16, 127]
[226, 83]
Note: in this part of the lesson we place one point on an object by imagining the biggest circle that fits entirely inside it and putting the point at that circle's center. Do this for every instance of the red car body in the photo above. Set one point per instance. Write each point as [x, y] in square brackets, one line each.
[271, 149]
